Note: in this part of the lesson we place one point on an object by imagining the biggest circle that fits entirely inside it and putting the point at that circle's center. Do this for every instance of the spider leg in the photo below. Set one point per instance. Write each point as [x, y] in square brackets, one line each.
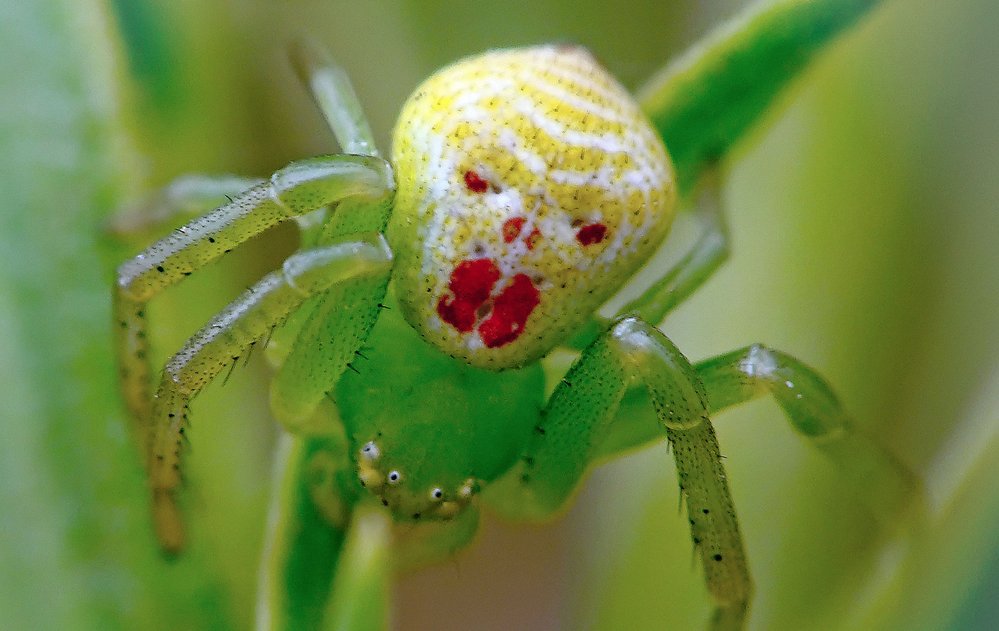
[321, 341]
[888, 488]
[579, 416]
[314, 348]
[333, 93]
[226, 337]
[291, 192]
[186, 196]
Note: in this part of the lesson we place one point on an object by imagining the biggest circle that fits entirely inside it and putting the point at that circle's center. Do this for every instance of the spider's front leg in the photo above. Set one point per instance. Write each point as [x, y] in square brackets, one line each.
[579, 416]
[299, 188]
[227, 336]
[296, 190]
[187, 196]
[583, 423]
[888, 488]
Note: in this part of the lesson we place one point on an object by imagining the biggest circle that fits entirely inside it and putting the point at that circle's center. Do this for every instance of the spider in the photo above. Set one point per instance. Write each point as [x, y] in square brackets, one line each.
[525, 187]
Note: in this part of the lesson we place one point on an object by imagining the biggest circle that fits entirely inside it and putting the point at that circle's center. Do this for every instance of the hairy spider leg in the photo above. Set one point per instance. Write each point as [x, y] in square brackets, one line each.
[579, 416]
[323, 338]
[227, 336]
[187, 196]
[291, 192]
[889, 489]
[313, 504]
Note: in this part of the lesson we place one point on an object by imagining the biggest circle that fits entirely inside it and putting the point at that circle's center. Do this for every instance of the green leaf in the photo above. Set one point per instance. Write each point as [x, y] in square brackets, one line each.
[707, 100]
[77, 551]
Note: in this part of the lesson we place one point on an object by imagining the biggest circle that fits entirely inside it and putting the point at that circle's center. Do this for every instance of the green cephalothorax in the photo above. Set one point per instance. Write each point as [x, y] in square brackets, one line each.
[525, 188]
[427, 431]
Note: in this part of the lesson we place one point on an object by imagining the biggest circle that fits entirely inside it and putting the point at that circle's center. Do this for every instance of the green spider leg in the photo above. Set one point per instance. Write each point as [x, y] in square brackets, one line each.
[596, 412]
[334, 94]
[579, 416]
[326, 559]
[187, 196]
[299, 188]
[229, 335]
[888, 488]
[324, 337]
[346, 253]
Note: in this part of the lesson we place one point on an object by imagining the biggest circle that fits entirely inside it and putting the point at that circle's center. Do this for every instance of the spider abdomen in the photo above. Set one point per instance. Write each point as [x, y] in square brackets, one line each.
[530, 186]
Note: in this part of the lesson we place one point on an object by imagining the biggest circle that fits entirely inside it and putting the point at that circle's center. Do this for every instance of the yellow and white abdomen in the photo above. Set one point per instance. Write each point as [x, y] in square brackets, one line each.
[530, 187]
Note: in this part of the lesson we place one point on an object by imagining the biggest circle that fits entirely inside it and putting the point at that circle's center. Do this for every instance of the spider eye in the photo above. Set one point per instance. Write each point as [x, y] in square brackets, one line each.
[467, 489]
[370, 451]
[437, 494]
[394, 477]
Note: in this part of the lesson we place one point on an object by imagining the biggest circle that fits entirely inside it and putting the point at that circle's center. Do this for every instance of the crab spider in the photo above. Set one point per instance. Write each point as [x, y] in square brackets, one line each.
[524, 188]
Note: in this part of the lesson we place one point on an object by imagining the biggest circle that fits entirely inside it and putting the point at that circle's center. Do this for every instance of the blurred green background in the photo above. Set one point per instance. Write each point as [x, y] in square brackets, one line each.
[864, 223]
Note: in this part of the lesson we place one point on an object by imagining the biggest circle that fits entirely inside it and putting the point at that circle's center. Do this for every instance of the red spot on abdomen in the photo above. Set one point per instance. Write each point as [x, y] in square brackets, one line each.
[532, 238]
[512, 228]
[471, 282]
[591, 233]
[475, 183]
[510, 311]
